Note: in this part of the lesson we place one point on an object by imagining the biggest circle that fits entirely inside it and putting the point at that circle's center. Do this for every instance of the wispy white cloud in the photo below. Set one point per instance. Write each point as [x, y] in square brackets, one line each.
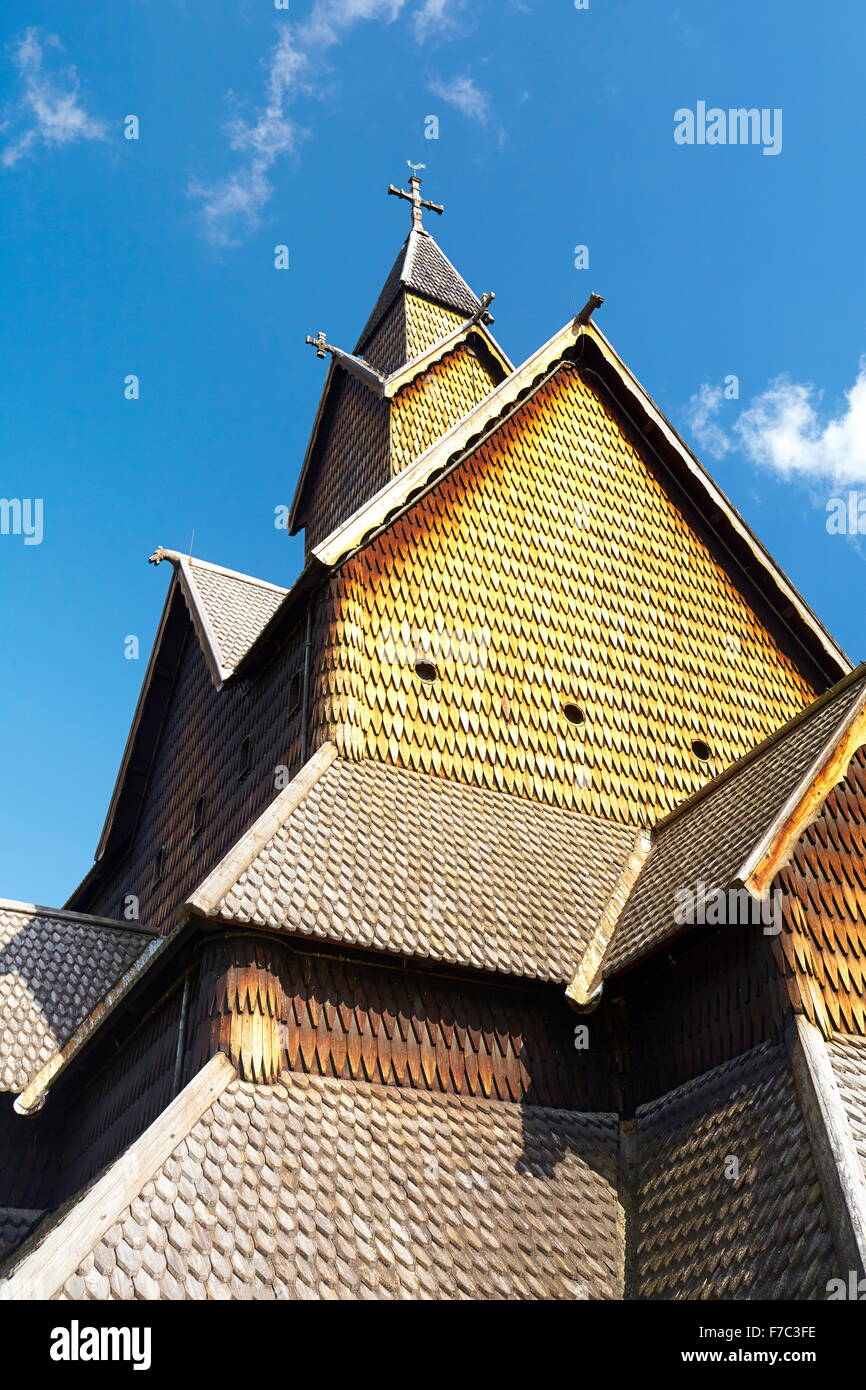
[329, 19]
[785, 430]
[47, 110]
[435, 17]
[233, 205]
[701, 414]
[463, 94]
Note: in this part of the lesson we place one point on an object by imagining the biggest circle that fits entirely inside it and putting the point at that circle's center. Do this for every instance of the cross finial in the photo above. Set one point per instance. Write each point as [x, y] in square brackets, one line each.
[414, 197]
[320, 343]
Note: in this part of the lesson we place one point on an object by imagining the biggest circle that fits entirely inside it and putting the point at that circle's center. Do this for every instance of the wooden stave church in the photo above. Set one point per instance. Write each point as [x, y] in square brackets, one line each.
[376, 988]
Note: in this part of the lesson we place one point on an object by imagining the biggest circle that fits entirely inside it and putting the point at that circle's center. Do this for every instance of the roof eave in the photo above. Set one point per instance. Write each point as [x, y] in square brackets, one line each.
[804, 805]
[129, 747]
[406, 374]
[296, 521]
[220, 673]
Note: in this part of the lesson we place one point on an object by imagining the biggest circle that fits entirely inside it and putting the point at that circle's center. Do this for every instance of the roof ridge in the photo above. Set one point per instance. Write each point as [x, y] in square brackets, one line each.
[32, 1098]
[449, 342]
[454, 441]
[423, 232]
[244, 850]
[66, 914]
[828, 1118]
[408, 273]
[798, 787]
[188, 573]
[176, 557]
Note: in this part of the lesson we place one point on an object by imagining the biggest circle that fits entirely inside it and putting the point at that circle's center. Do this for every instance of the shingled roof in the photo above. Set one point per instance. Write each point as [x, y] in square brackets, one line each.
[424, 269]
[55, 968]
[228, 609]
[317, 1187]
[700, 1230]
[361, 426]
[711, 837]
[376, 856]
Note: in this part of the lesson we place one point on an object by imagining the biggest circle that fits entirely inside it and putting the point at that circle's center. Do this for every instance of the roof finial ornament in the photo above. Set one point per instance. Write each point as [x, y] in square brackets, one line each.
[482, 313]
[414, 197]
[320, 343]
[594, 302]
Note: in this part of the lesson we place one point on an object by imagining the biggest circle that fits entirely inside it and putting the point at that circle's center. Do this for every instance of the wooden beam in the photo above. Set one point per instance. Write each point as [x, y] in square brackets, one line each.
[45, 1270]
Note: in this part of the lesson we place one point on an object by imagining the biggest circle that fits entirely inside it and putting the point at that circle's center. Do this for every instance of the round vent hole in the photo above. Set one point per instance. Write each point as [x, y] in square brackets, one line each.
[574, 714]
[426, 671]
[701, 750]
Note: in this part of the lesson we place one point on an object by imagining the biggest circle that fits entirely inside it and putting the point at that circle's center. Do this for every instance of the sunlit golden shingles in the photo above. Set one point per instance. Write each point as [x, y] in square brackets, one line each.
[410, 326]
[426, 323]
[558, 553]
[822, 948]
[427, 408]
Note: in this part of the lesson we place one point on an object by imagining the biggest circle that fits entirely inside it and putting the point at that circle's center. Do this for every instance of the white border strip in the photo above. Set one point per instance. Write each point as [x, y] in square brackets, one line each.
[32, 1098]
[816, 1083]
[831, 746]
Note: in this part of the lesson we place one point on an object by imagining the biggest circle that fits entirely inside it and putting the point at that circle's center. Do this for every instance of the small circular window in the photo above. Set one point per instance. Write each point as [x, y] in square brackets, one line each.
[426, 671]
[701, 750]
[574, 714]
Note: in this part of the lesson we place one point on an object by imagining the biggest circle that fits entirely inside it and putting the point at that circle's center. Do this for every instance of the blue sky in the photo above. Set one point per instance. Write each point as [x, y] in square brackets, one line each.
[260, 127]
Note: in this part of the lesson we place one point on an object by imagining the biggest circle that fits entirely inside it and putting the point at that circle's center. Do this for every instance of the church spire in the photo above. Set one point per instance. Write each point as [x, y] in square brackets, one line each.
[423, 297]
[423, 359]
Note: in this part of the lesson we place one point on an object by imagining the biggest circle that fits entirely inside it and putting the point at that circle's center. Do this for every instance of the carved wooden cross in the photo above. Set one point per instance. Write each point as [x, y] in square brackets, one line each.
[320, 343]
[414, 197]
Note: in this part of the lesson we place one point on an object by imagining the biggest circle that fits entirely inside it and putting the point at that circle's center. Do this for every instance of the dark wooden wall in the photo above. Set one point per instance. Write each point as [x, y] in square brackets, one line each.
[362, 1021]
[704, 1001]
[200, 755]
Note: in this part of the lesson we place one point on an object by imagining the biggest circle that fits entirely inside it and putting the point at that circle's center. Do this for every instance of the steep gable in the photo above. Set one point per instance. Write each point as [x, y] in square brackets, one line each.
[429, 404]
[555, 566]
[369, 427]
[206, 745]
[423, 360]
[55, 967]
[715, 840]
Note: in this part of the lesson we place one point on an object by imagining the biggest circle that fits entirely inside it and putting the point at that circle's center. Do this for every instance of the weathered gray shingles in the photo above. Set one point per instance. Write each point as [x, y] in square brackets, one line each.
[317, 1188]
[378, 856]
[238, 609]
[708, 842]
[422, 267]
[703, 1233]
[848, 1060]
[53, 971]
